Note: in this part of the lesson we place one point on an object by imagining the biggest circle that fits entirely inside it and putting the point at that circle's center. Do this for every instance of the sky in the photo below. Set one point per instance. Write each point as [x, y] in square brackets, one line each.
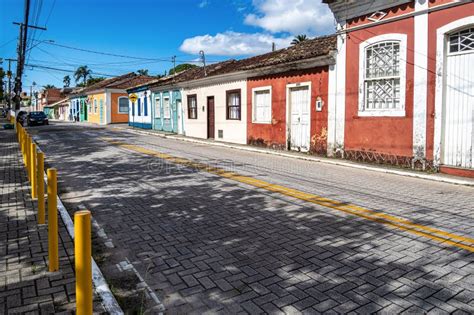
[152, 31]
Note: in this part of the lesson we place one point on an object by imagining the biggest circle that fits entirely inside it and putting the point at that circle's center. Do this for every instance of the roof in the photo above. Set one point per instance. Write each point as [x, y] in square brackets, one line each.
[121, 82]
[64, 101]
[311, 48]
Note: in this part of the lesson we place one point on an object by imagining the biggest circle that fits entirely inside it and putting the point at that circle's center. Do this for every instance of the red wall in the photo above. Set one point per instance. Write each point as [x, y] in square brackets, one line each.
[274, 134]
[388, 135]
[436, 20]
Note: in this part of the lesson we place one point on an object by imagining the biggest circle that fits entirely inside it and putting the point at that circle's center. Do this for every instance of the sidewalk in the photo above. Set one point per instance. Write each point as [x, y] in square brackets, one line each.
[26, 286]
[438, 177]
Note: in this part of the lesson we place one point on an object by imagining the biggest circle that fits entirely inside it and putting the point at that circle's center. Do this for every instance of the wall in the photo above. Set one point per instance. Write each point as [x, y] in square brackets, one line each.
[234, 131]
[384, 135]
[274, 134]
[117, 117]
[169, 124]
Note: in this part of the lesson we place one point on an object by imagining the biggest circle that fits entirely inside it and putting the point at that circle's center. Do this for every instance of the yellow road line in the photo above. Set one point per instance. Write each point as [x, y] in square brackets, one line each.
[387, 219]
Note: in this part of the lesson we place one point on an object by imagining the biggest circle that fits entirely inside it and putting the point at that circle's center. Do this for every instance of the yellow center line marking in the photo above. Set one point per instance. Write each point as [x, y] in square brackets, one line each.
[387, 219]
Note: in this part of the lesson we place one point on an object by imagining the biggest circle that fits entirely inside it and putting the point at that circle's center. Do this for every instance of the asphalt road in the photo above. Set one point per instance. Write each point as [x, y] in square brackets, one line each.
[258, 233]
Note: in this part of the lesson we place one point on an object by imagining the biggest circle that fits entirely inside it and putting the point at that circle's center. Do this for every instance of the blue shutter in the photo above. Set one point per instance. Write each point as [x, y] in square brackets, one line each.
[145, 106]
[139, 107]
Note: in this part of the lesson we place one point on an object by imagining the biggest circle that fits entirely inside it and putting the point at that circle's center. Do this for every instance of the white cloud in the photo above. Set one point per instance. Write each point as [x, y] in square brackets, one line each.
[233, 44]
[295, 16]
[204, 3]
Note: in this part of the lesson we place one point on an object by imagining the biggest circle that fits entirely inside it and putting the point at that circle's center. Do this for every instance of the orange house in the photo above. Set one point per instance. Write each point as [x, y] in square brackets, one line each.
[107, 101]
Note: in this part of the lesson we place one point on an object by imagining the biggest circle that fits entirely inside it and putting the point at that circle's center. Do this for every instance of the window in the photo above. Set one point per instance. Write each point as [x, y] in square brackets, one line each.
[95, 106]
[139, 107]
[166, 108]
[123, 105]
[262, 105]
[462, 41]
[233, 105]
[192, 107]
[157, 108]
[382, 76]
[145, 106]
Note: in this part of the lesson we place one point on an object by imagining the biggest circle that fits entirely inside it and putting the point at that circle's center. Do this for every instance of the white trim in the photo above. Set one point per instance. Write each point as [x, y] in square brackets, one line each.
[420, 81]
[118, 105]
[340, 97]
[157, 97]
[288, 110]
[402, 38]
[440, 74]
[258, 89]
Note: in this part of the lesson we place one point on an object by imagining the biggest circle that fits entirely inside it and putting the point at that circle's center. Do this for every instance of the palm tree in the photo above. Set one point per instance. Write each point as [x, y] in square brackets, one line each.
[67, 81]
[82, 72]
[299, 39]
[49, 86]
[142, 72]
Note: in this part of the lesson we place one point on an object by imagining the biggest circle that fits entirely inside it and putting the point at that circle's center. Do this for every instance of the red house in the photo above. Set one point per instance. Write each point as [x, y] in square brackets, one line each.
[403, 87]
[287, 102]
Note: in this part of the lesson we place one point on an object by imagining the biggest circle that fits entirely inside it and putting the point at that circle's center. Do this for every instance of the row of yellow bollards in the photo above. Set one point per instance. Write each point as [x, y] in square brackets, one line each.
[34, 163]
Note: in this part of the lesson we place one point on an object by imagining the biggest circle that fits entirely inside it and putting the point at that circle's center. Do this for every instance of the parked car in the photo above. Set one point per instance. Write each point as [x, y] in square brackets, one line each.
[37, 118]
[21, 117]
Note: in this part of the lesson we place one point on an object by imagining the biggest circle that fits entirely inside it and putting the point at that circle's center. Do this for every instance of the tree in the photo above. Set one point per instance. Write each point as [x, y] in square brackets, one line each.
[67, 81]
[49, 86]
[142, 72]
[82, 72]
[182, 67]
[91, 81]
[299, 39]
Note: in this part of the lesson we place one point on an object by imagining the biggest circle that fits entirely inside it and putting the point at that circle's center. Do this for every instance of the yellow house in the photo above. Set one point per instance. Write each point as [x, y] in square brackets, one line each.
[107, 101]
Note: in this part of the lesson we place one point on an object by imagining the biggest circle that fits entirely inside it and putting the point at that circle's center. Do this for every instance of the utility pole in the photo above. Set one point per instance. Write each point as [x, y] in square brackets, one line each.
[21, 53]
[173, 59]
[203, 60]
[9, 75]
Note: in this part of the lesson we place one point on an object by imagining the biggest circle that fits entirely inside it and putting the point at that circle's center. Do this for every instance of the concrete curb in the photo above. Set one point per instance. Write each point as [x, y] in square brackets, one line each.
[435, 178]
[101, 287]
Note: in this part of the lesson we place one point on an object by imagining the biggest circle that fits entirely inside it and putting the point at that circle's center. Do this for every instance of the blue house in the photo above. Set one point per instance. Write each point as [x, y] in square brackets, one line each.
[140, 111]
[167, 109]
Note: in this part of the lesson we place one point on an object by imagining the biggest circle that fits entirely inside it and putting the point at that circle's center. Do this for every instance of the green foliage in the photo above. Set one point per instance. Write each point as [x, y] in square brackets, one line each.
[49, 86]
[299, 39]
[91, 81]
[67, 81]
[182, 67]
[142, 72]
[82, 72]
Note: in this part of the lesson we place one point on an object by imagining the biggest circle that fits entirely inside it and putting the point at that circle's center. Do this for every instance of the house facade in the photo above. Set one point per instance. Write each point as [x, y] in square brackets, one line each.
[140, 112]
[78, 104]
[402, 89]
[168, 109]
[287, 96]
[107, 101]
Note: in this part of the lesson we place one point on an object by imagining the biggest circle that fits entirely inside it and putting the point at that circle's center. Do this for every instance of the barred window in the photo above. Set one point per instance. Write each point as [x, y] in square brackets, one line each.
[192, 107]
[233, 105]
[462, 41]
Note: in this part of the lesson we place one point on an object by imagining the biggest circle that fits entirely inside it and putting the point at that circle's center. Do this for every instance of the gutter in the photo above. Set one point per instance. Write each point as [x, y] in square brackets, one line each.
[404, 16]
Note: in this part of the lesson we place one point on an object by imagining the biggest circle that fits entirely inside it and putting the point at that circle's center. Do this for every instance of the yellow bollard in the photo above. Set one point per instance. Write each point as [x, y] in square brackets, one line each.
[28, 156]
[40, 185]
[33, 174]
[82, 252]
[53, 220]
[23, 146]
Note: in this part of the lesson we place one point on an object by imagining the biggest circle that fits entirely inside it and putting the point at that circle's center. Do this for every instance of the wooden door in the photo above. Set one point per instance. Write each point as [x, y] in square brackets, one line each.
[300, 118]
[210, 118]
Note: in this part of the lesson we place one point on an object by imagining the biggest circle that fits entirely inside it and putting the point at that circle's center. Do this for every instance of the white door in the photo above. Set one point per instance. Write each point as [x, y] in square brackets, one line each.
[180, 116]
[458, 120]
[300, 118]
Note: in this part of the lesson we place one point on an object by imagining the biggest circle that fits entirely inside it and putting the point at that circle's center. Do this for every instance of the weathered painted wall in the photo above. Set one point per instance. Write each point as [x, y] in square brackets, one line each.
[386, 135]
[234, 131]
[274, 134]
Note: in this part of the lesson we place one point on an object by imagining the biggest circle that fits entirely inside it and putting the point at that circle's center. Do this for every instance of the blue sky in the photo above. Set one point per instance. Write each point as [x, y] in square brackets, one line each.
[155, 29]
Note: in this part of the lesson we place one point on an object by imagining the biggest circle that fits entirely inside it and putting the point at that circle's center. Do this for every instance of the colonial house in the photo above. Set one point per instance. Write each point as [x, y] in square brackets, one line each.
[59, 110]
[140, 110]
[78, 105]
[49, 96]
[402, 90]
[287, 96]
[168, 114]
[107, 101]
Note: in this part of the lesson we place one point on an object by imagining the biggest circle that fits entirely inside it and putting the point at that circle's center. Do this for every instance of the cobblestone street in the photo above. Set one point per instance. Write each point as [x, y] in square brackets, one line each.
[208, 242]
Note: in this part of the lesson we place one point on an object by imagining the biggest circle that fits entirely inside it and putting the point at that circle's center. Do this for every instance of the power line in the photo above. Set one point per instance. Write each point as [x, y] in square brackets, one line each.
[66, 70]
[108, 54]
